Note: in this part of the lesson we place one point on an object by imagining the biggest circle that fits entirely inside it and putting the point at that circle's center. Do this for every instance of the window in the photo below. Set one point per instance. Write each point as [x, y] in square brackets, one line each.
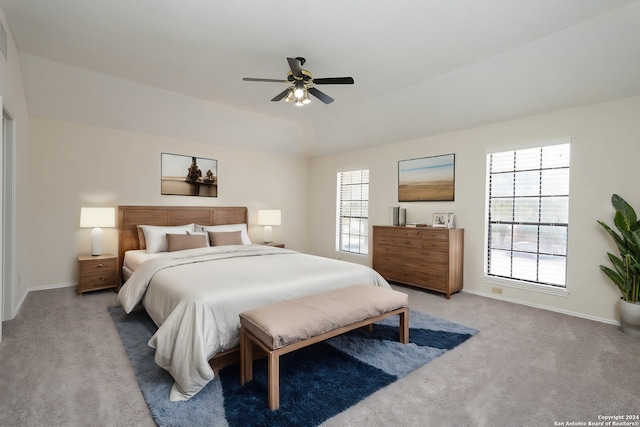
[528, 214]
[353, 212]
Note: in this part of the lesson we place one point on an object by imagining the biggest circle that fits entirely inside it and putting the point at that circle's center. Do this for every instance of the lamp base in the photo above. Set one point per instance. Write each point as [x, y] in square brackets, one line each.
[96, 241]
[268, 231]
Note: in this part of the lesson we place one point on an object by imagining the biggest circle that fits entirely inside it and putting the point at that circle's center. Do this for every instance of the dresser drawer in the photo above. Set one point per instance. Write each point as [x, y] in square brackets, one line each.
[433, 240]
[408, 243]
[389, 273]
[419, 266]
[387, 251]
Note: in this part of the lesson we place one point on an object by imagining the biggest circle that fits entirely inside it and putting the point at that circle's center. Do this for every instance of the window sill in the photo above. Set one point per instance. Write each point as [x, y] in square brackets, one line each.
[527, 286]
[351, 254]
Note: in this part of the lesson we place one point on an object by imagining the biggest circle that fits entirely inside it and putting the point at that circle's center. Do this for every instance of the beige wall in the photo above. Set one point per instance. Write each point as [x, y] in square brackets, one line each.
[74, 165]
[604, 153]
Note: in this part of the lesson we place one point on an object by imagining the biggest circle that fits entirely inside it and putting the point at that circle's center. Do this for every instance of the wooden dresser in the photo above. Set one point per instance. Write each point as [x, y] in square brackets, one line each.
[426, 257]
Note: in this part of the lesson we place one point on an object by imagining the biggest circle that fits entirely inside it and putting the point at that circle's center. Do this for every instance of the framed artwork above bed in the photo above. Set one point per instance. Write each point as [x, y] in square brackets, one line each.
[188, 176]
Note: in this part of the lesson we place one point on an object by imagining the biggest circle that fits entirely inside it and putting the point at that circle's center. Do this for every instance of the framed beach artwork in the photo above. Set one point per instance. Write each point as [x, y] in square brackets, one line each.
[188, 176]
[427, 179]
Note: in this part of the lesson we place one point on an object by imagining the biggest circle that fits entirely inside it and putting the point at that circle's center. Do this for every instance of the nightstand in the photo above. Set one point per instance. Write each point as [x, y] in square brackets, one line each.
[274, 244]
[97, 272]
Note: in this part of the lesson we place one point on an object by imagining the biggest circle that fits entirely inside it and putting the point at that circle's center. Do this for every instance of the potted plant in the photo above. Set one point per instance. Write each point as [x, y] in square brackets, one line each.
[626, 268]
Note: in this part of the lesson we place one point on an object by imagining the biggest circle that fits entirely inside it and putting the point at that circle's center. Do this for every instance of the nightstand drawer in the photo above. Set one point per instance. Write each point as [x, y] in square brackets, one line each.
[97, 266]
[98, 282]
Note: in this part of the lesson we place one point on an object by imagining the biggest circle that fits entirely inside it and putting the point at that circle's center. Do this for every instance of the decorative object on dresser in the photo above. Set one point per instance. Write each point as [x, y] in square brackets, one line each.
[427, 179]
[269, 217]
[97, 272]
[398, 216]
[451, 220]
[439, 220]
[425, 257]
[96, 218]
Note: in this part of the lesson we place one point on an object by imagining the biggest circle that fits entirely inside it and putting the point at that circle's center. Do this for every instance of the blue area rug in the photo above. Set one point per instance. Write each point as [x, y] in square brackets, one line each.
[316, 382]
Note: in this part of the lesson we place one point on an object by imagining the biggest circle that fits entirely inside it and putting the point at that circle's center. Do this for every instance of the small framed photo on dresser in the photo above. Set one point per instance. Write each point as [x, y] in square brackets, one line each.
[439, 220]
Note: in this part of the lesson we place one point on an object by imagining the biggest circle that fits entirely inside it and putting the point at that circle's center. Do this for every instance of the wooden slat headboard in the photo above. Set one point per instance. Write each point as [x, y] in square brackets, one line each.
[129, 217]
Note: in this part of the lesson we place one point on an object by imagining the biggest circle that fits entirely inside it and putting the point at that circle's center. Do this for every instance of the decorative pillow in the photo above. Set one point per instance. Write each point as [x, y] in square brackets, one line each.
[180, 242]
[223, 238]
[141, 241]
[242, 228]
[156, 237]
[200, 233]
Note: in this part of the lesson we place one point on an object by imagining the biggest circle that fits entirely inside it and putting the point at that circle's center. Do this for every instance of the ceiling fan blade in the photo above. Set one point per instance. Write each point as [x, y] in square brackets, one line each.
[281, 95]
[320, 95]
[334, 81]
[250, 79]
[296, 66]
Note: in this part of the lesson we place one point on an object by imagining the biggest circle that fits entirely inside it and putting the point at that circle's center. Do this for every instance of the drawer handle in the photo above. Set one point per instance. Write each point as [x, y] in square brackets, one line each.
[99, 265]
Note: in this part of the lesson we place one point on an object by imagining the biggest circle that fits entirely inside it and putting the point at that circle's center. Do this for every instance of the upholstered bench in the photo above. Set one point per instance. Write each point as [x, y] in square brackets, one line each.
[286, 326]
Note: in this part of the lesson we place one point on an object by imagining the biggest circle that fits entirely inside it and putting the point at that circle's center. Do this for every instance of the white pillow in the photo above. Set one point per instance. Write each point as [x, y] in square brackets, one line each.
[242, 228]
[156, 237]
[200, 233]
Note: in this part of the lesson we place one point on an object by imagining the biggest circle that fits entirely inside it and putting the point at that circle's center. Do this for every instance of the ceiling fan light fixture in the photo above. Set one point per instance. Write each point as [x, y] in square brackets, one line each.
[305, 98]
[299, 103]
[290, 96]
[299, 91]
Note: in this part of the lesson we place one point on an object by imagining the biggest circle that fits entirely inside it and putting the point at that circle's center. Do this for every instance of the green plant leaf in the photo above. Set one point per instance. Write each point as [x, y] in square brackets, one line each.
[618, 264]
[635, 237]
[617, 280]
[630, 242]
[616, 238]
[625, 217]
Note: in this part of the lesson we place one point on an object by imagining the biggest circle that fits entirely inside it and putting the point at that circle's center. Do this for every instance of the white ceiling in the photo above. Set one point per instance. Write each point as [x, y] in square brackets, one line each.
[420, 67]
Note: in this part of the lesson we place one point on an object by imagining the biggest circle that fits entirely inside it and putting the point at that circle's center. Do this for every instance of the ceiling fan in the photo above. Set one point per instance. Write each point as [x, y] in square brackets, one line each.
[303, 84]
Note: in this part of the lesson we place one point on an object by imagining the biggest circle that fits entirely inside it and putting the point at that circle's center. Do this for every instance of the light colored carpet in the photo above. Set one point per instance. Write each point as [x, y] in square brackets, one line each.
[62, 364]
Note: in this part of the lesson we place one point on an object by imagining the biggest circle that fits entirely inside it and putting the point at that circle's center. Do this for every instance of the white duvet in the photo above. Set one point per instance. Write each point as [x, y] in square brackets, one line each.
[195, 297]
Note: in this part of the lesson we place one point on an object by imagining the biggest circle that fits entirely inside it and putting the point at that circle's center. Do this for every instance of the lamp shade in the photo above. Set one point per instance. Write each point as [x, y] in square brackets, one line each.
[269, 217]
[97, 217]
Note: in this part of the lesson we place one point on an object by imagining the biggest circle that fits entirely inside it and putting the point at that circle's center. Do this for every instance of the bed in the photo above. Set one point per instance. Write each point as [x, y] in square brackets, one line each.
[195, 295]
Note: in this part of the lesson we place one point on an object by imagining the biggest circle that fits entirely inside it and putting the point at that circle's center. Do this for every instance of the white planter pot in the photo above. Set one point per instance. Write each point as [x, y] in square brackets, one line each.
[630, 317]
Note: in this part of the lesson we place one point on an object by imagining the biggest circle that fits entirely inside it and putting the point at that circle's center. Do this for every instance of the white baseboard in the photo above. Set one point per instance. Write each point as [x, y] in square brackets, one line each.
[544, 307]
[58, 286]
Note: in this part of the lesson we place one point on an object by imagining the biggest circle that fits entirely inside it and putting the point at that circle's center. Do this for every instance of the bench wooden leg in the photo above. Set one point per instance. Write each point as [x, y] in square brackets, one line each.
[246, 358]
[404, 327]
[274, 380]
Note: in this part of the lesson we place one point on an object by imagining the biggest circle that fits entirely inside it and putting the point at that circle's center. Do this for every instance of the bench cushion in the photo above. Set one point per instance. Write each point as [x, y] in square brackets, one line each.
[287, 322]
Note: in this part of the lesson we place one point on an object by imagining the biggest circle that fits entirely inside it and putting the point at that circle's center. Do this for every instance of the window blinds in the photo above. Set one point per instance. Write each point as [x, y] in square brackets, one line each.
[353, 211]
[528, 214]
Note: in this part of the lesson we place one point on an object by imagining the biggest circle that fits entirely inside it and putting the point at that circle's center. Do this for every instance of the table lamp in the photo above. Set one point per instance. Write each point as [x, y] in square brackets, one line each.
[96, 218]
[268, 217]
